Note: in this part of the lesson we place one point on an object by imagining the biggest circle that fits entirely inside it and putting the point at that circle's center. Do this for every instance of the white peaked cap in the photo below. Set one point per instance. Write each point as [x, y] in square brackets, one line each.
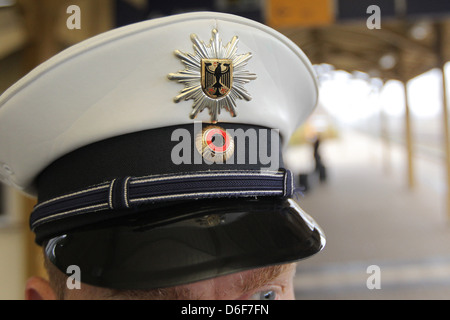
[117, 83]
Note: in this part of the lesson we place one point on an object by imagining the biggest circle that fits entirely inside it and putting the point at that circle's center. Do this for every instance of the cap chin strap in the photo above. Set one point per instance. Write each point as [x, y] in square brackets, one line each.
[129, 192]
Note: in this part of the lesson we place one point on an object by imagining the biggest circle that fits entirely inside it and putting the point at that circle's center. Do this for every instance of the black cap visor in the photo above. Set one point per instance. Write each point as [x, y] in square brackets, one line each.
[188, 242]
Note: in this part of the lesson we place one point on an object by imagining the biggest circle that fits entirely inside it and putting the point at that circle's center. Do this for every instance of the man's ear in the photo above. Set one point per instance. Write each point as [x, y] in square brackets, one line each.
[39, 289]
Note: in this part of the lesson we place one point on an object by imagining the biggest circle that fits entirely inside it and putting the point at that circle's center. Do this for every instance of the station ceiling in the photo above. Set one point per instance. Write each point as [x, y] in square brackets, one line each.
[399, 50]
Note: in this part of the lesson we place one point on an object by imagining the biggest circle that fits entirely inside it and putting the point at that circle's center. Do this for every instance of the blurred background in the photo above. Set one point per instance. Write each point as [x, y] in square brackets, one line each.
[373, 160]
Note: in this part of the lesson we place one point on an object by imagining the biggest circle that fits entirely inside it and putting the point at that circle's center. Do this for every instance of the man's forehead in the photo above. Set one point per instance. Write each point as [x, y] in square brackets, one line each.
[225, 287]
[241, 282]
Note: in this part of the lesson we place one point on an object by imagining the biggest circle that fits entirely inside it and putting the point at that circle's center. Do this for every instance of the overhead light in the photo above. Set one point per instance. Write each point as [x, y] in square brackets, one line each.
[420, 30]
[388, 61]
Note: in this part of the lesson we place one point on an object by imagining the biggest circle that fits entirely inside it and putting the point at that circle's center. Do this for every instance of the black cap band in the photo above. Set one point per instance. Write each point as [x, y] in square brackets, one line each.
[132, 192]
[167, 150]
[126, 173]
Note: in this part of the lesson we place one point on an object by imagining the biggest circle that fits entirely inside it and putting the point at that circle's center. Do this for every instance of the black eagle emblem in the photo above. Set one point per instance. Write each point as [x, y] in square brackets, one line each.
[216, 77]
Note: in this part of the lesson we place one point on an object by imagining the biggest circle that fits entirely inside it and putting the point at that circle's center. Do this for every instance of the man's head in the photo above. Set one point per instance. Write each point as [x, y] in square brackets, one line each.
[150, 178]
